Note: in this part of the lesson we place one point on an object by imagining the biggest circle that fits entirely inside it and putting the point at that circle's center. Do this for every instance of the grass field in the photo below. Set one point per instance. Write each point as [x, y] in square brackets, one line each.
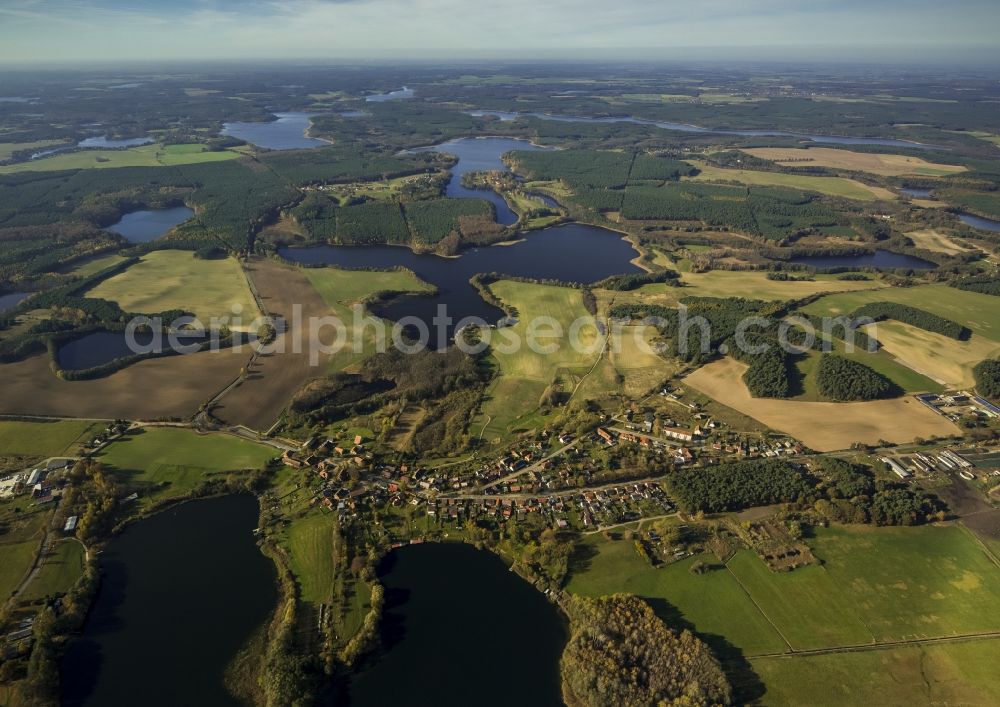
[175, 279]
[43, 439]
[938, 357]
[167, 462]
[938, 674]
[15, 562]
[310, 548]
[714, 603]
[906, 378]
[929, 239]
[629, 366]
[341, 289]
[143, 156]
[822, 426]
[873, 585]
[7, 149]
[527, 370]
[831, 186]
[59, 572]
[885, 165]
[726, 283]
[92, 266]
[977, 311]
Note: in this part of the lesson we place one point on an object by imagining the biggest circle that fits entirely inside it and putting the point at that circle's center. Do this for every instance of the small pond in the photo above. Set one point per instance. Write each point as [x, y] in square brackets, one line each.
[109, 144]
[399, 95]
[11, 299]
[150, 224]
[984, 224]
[101, 347]
[882, 259]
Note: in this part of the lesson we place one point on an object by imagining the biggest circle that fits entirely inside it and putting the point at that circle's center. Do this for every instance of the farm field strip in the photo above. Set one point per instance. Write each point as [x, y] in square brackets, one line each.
[831, 186]
[822, 426]
[882, 164]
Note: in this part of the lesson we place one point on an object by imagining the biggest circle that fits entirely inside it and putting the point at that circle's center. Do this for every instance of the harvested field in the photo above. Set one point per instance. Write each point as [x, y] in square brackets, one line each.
[938, 357]
[884, 165]
[825, 427]
[832, 186]
[169, 387]
[275, 377]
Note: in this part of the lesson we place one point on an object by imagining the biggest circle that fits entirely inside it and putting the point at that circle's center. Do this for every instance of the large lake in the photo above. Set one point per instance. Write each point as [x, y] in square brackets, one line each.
[288, 132]
[882, 259]
[459, 629]
[481, 155]
[571, 253]
[687, 128]
[150, 224]
[181, 593]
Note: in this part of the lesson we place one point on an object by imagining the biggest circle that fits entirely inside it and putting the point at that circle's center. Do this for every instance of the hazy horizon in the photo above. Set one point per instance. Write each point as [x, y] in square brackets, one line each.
[108, 31]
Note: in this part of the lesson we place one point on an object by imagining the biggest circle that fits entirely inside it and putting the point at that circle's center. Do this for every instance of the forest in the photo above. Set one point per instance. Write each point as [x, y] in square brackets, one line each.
[733, 486]
[621, 653]
[842, 379]
[880, 311]
[987, 374]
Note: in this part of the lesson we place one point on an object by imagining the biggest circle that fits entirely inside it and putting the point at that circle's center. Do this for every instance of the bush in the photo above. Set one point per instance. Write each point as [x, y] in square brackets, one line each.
[880, 311]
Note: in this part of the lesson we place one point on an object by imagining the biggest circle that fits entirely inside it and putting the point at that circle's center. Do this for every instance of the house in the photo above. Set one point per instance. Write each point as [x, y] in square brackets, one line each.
[677, 433]
[288, 460]
[605, 435]
[357, 440]
[649, 419]
[71, 524]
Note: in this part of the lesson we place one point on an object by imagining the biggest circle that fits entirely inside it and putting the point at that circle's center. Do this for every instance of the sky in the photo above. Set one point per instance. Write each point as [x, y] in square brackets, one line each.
[57, 31]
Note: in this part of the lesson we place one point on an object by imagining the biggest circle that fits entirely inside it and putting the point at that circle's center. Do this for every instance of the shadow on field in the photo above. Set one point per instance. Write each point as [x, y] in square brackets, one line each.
[747, 686]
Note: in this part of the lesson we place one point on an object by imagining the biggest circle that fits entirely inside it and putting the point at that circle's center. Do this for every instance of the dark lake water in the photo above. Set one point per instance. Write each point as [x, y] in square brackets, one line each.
[104, 142]
[181, 593]
[460, 629]
[11, 300]
[103, 347]
[398, 95]
[288, 132]
[150, 224]
[979, 222]
[916, 193]
[879, 259]
[685, 127]
[571, 253]
[481, 155]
